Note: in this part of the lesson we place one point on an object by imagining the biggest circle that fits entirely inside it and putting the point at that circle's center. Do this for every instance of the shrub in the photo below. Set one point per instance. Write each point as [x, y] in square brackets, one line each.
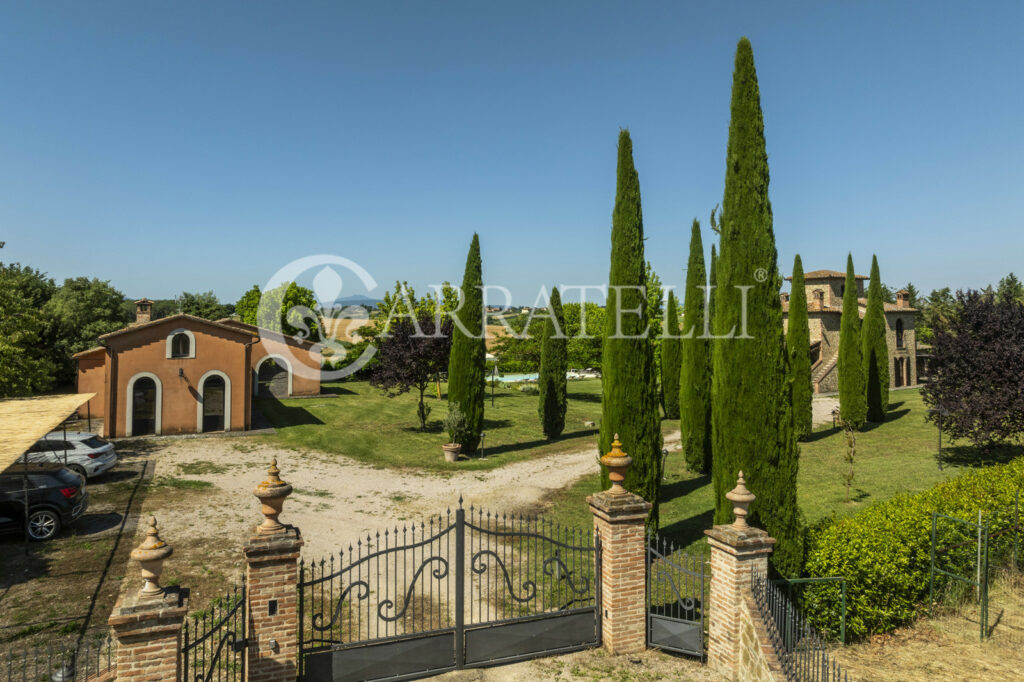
[884, 551]
[455, 423]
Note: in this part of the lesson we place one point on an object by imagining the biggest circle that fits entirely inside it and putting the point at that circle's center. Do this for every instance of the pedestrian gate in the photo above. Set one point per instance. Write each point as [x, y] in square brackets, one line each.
[461, 590]
[675, 599]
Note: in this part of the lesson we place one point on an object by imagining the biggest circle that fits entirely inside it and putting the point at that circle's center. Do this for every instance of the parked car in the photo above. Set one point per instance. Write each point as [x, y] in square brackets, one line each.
[87, 454]
[56, 497]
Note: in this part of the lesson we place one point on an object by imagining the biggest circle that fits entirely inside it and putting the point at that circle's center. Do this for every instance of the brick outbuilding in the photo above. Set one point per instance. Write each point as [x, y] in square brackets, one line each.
[185, 374]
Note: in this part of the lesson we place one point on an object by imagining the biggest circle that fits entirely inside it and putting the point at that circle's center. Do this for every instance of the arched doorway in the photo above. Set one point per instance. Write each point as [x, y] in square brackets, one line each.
[143, 418]
[213, 404]
[273, 378]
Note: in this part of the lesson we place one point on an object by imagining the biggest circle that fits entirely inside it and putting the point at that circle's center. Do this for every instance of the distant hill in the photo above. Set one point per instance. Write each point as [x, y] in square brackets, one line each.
[356, 300]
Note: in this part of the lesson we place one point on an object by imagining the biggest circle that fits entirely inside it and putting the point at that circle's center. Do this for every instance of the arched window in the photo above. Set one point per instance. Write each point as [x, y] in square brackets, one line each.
[181, 345]
[819, 297]
[899, 333]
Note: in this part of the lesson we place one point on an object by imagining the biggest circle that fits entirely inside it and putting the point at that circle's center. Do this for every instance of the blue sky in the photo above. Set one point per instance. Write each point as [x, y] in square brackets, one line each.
[173, 146]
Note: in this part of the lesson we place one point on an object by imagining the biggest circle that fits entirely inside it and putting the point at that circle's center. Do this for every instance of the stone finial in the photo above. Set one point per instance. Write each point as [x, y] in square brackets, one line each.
[741, 499]
[151, 555]
[271, 493]
[618, 463]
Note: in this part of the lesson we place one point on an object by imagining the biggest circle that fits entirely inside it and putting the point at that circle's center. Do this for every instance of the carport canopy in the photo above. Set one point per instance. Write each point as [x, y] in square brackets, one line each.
[23, 421]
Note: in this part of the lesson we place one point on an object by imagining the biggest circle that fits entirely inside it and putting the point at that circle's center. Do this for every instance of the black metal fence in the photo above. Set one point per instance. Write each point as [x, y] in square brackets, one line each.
[802, 652]
[676, 603]
[214, 640]
[72, 661]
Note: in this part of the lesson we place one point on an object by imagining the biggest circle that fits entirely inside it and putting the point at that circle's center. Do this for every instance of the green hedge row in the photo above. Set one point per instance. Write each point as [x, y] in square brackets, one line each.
[884, 551]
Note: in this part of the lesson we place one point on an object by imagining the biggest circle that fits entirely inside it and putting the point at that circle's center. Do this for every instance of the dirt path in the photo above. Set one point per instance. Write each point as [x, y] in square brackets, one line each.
[338, 500]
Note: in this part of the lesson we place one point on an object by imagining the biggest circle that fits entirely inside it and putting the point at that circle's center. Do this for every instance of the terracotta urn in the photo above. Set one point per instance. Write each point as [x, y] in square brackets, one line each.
[618, 463]
[451, 451]
[151, 555]
[741, 499]
[272, 493]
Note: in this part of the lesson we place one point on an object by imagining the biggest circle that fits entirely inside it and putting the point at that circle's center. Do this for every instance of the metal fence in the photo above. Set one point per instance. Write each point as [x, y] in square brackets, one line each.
[72, 661]
[802, 651]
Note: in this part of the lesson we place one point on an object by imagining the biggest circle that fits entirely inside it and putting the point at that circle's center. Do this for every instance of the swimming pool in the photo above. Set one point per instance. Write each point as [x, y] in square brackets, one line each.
[513, 378]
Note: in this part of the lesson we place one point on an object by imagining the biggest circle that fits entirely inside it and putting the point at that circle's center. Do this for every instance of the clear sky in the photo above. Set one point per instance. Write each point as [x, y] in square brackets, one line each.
[174, 146]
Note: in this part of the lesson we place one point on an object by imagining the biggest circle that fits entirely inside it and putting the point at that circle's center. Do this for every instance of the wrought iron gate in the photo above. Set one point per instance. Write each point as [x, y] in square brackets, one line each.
[213, 648]
[675, 599]
[463, 589]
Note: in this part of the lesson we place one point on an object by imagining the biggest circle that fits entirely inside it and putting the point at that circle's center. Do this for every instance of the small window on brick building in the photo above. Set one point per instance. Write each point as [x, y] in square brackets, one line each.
[181, 346]
[819, 297]
[899, 333]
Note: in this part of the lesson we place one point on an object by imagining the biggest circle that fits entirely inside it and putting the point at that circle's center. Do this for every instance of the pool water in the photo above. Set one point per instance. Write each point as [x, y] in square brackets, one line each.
[519, 377]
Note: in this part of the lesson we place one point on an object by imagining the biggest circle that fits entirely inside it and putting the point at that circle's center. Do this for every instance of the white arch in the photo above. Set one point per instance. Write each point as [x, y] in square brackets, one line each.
[227, 399]
[279, 359]
[191, 344]
[130, 402]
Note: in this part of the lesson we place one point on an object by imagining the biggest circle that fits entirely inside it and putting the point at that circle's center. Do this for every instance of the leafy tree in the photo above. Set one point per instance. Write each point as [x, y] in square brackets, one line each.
[875, 350]
[752, 421]
[467, 364]
[289, 309]
[913, 295]
[584, 345]
[977, 370]
[26, 366]
[248, 305]
[630, 401]
[671, 358]
[409, 358]
[853, 407]
[798, 341]
[695, 364]
[551, 382]
[81, 310]
[1010, 289]
[204, 304]
[655, 313]
[936, 310]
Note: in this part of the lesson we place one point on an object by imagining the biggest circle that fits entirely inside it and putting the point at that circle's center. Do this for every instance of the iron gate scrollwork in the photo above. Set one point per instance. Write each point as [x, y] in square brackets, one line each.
[462, 589]
[675, 599]
[213, 648]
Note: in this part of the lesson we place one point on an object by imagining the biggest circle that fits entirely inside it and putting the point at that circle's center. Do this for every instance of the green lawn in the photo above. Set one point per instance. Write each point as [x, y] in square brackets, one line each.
[896, 456]
[364, 424]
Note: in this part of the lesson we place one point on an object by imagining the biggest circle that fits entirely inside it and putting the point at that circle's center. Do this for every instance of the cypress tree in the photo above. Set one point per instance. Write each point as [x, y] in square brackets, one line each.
[629, 403]
[671, 357]
[553, 365]
[712, 288]
[467, 363]
[798, 339]
[875, 349]
[752, 421]
[695, 376]
[852, 405]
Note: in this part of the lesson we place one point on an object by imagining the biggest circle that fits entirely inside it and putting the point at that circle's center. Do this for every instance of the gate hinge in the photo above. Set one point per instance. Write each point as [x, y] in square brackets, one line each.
[241, 644]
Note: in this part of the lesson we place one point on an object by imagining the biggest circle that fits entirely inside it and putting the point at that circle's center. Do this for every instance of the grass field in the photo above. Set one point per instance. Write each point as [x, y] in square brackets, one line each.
[898, 455]
[367, 426]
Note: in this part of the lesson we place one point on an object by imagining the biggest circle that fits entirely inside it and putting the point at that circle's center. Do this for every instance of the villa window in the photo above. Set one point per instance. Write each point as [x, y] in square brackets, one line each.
[181, 346]
[899, 333]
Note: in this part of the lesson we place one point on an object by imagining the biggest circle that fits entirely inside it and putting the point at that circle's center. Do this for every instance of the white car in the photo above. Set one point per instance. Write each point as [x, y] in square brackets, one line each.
[87, 454]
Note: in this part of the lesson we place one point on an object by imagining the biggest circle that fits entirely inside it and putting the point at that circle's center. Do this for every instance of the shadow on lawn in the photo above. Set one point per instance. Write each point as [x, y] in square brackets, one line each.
[680, 488]
[334, 389]
[585, 397]
[891, 416]
[972, 456]
[286, 415]
[515, 447]
[689, 531]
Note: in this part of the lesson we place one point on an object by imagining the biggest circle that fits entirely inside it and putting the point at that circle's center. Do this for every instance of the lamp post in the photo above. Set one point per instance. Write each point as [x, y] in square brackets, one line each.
[942, 412]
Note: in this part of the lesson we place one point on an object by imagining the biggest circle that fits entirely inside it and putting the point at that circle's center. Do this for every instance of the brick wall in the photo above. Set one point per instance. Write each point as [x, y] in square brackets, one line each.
[271, 585]
[758, 661]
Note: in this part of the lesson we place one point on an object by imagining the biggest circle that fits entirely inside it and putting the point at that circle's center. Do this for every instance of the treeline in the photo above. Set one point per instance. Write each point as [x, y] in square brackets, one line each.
[43, 323]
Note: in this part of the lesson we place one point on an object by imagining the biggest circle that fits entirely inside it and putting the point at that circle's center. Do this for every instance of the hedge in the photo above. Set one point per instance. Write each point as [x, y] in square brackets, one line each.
[884, 551]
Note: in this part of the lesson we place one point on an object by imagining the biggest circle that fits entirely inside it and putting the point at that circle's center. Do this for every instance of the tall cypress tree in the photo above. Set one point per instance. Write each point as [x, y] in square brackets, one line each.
[671, 357]
[695, 370]
[798, 340]
[629, 404]
[875, 349]
[752, 421]
[712, 288]
[853, 407]
[467, 362]
[553, 365]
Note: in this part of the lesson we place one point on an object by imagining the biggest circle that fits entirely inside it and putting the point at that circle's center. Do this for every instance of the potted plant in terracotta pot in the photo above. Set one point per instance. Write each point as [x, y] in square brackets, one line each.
[455, 425]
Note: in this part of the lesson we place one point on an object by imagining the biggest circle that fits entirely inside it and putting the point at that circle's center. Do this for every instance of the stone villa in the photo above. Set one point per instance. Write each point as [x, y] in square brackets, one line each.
[824, 310]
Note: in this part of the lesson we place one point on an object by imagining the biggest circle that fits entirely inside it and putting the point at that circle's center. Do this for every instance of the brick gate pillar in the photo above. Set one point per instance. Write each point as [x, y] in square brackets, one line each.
[147, 624]
[619, 519]
[272, 555]
[737, 551]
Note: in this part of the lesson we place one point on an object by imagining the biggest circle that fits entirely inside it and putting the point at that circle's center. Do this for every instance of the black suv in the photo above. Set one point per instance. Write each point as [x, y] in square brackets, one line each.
[56, 497]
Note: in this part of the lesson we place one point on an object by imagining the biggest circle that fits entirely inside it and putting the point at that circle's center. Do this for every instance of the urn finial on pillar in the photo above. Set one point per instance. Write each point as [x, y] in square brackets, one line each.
[618, 463]
[151, 555]
[741, 499]
[271, 493]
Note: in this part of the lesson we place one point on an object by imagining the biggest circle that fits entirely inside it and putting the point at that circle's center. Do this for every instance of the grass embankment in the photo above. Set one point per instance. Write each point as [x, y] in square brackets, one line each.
[364, 424]
[898, 455]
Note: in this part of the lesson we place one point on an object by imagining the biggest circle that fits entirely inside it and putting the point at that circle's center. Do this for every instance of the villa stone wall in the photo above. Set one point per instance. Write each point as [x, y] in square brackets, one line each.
[758, 661]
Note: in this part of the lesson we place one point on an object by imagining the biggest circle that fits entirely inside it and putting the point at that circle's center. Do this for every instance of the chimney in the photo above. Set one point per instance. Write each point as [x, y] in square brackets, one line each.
[902, 298]
[785, 296]
[143, 310]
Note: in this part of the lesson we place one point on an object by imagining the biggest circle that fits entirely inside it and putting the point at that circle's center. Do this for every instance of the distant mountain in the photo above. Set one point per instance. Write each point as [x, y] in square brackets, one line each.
[356, 300]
